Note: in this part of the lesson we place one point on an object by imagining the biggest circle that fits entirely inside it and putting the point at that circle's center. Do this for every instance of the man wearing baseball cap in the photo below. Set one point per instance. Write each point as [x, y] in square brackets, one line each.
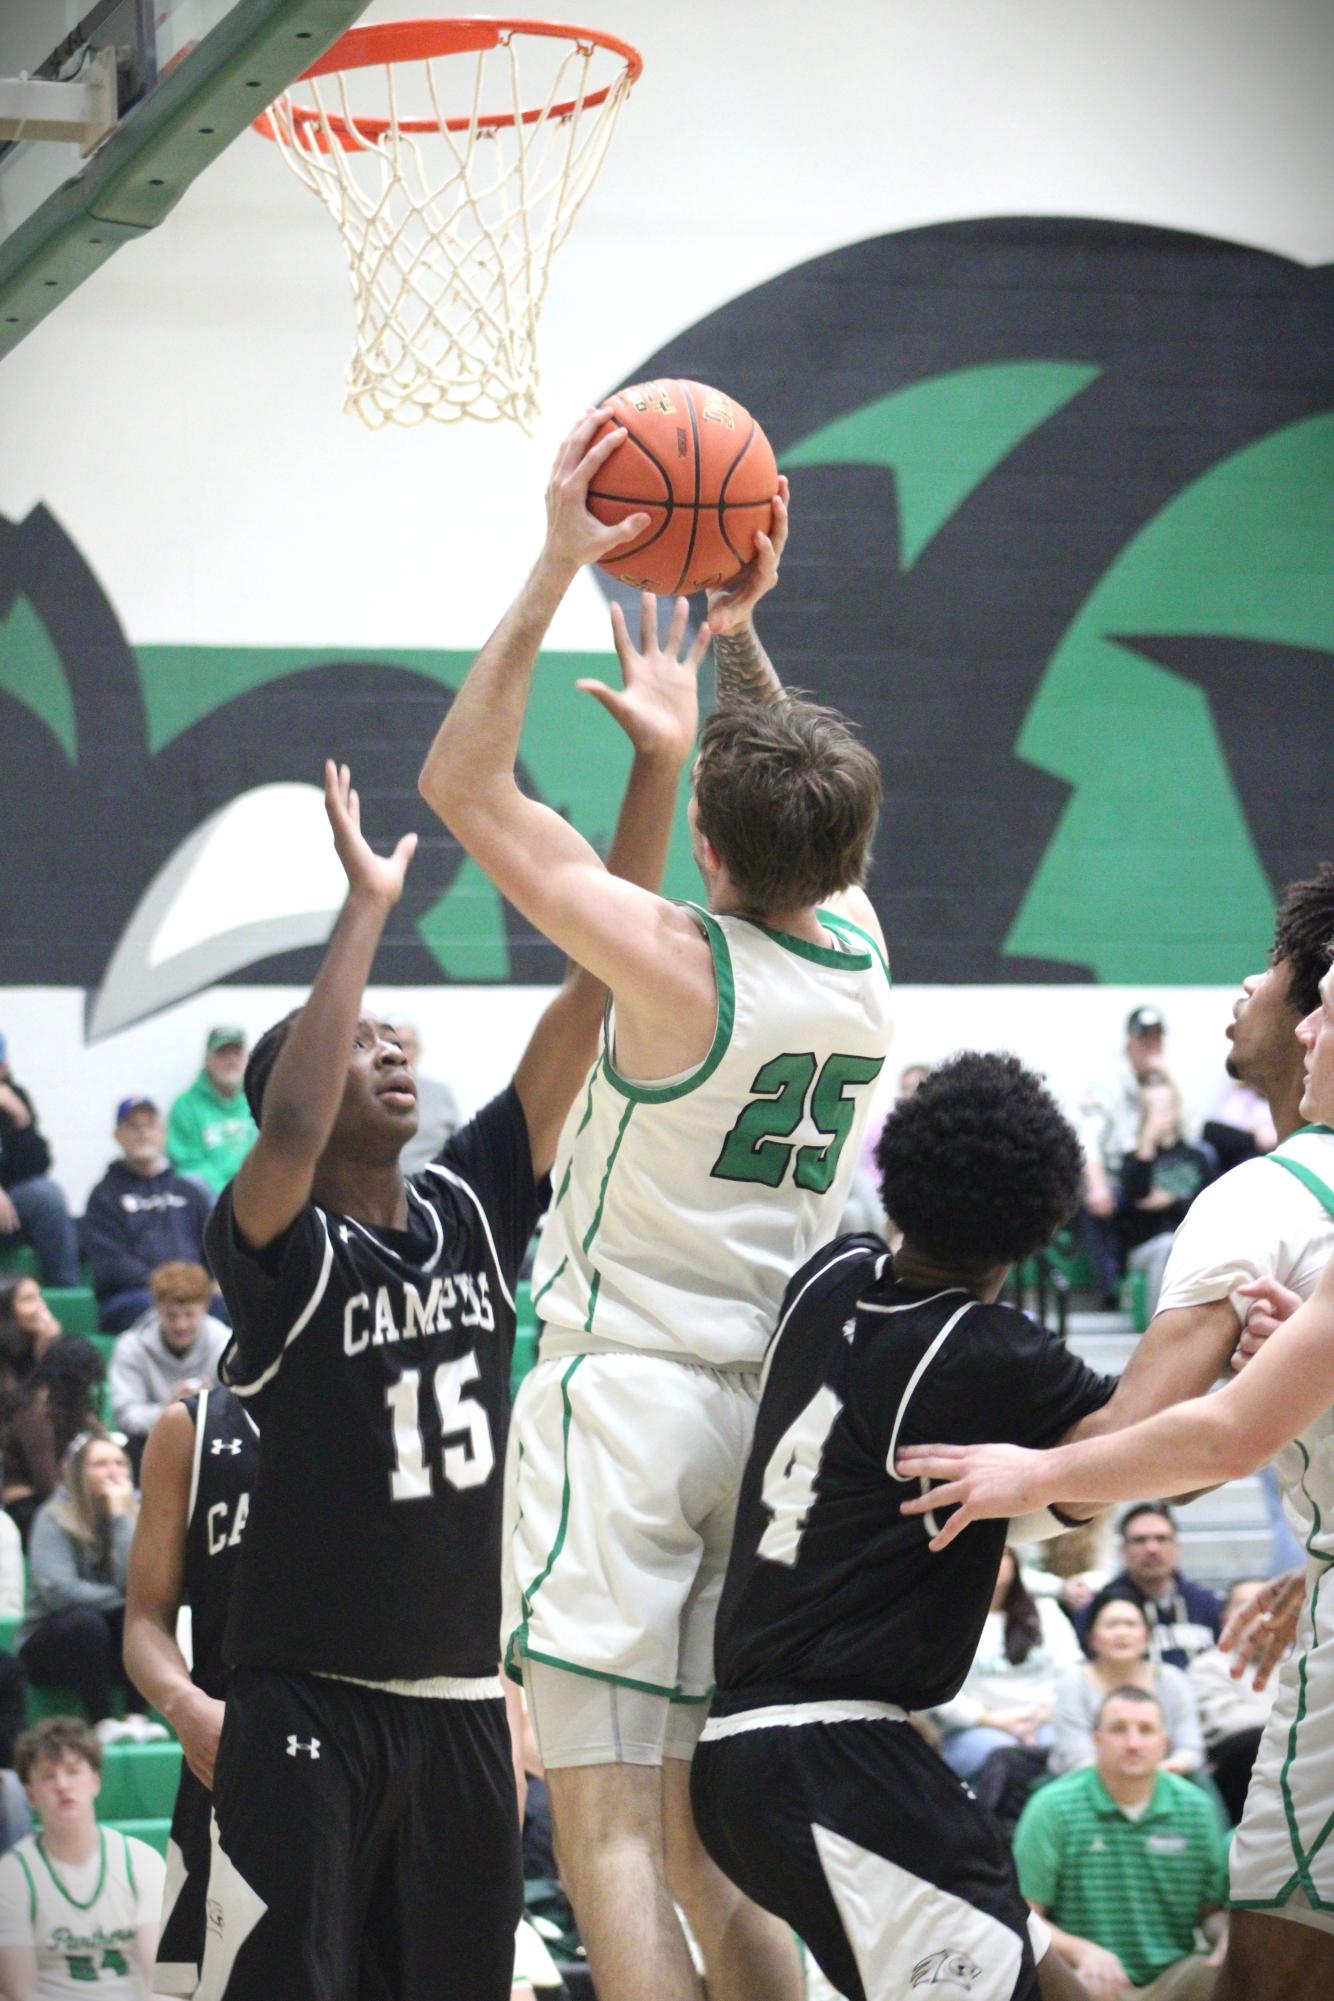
[140, 1215]
[210, 1130]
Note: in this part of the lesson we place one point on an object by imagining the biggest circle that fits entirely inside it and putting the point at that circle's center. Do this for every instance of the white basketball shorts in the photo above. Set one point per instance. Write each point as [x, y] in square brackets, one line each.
[621, 1490]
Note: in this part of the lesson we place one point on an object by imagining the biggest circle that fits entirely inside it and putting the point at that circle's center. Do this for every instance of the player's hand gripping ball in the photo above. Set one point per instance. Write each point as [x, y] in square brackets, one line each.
[702, 470]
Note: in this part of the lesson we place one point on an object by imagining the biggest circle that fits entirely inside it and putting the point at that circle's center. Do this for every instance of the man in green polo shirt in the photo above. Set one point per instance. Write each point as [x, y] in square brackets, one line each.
[1125, 1861]
[211, 1130]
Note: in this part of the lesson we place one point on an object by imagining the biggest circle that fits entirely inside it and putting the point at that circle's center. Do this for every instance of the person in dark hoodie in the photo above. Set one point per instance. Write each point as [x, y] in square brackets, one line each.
[173, 1351]
[140, 1215]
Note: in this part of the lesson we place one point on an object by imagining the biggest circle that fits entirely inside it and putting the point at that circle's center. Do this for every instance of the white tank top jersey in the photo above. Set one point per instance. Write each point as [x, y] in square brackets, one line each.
[83, 1922]
[684, 1206]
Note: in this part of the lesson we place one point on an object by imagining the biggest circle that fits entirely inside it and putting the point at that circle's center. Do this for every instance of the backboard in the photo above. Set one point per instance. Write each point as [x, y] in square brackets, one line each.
[188, 77]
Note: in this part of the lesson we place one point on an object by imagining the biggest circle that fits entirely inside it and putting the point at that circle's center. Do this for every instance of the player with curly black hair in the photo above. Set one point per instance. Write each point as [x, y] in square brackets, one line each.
[979, 1167]
[836, 1619]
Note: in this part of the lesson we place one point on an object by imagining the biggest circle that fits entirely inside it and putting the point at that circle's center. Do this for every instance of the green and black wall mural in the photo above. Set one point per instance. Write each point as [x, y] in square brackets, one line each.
[1063, 529]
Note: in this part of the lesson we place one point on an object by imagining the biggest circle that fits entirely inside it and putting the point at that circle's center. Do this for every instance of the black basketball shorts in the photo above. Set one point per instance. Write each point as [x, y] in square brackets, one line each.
[363, 1845]
[863, 1840]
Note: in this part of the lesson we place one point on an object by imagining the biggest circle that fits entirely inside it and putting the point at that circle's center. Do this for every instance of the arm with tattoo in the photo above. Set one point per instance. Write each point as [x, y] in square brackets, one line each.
[743, 670]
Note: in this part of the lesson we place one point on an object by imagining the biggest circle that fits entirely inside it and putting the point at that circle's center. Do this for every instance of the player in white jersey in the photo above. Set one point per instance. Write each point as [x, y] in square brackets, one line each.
[707, 1156]
[79, 1903]
[1282, 1863]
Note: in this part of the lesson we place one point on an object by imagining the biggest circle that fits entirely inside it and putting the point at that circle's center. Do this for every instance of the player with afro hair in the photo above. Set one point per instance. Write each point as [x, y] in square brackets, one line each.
[980, 1167]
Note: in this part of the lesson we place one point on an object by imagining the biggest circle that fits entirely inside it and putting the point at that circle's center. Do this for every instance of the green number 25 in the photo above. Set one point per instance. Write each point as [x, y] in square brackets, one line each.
[755, 1149]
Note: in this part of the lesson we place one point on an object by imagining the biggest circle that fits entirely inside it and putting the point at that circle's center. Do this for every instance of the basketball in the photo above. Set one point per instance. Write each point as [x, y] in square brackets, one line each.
[702, 469]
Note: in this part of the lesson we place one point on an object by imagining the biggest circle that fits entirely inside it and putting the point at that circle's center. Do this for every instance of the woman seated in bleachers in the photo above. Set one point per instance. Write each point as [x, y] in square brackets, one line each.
[1026, 1645]
[79, 1558]
[1117, 1645]
[61, 1397]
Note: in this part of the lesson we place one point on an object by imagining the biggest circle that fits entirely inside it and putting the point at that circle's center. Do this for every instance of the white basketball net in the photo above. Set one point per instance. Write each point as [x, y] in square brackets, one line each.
[450, 234]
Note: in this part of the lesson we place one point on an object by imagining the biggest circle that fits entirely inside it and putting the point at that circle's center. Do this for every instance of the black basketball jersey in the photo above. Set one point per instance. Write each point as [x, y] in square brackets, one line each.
[225, 1464]
[377, 1364]
[830, 1590]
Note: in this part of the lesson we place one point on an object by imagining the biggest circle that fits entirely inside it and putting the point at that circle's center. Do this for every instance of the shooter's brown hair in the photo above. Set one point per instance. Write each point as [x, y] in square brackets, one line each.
[789, 798]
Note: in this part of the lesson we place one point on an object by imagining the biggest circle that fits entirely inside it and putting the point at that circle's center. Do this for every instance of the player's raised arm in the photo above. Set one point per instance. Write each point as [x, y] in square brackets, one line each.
[302, 1097]
[544, 866]
[743, 670]
[1201, 1443]
[156, 1588]
[658, 708]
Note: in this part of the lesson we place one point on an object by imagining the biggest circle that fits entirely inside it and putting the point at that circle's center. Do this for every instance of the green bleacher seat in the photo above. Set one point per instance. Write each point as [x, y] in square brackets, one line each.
[139, 1781]
[74, 1306]
[104, 1343]
[154, 1832]
[9, 1633]
[20, 1258]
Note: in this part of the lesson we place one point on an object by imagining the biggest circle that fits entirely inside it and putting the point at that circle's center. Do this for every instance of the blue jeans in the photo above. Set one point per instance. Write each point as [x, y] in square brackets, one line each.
[46, 1224]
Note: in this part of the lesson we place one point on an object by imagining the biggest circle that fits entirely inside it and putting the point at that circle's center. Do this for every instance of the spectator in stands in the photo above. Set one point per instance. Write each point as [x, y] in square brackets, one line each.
[437, 1107]
[1232, 1714]
[1184, 1617]
[1026, 1645]
[1125, 1861]
[78, 1558]
[27, 1329]
[79, 1903]
[140, 1215]
[1117, 1645]
[210, 1130]
[32, 1205]
[173, 1351]
[1109, 1122]
[61, 1398]
[1159, 1181]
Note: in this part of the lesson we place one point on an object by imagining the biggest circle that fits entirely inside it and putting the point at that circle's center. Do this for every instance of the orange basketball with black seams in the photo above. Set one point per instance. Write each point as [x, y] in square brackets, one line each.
[701, 468]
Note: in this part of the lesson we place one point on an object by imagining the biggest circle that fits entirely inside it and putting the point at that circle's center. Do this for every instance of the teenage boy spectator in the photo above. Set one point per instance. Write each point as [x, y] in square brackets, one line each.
[1232, 1712]
[78, 1902]
[172, 1352]
[1184, 1617]
[437, 1107]
[1125, 1861]
[1109, 1122]
[140, 1215]
[1159, 1181]
[210, 1130]
[32, 1205]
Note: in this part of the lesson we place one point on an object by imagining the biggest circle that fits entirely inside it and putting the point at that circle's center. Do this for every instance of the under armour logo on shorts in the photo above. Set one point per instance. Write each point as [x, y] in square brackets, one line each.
[940, 1968]
[294, 1744]
[225, 1445]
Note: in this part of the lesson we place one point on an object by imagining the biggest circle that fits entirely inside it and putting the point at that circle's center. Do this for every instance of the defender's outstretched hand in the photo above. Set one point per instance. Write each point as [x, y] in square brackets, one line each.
[658, 706]
[733, 605]
[573, 534]
[982, 1483]
[1260, 1633]
[368, 874]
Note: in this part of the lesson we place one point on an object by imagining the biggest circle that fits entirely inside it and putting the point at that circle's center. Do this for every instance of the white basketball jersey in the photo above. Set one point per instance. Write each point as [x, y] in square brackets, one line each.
[85, 1922]
[1305, 1468]
[683, 1207]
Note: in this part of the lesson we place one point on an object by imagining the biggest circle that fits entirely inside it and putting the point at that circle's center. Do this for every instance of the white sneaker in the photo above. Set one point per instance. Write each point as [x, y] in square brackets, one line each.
[143, 1730]
[112, 1731]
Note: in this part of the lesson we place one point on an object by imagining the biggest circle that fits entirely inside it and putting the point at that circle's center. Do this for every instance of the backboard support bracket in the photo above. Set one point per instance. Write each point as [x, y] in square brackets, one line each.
[140, 171]
[81, 111]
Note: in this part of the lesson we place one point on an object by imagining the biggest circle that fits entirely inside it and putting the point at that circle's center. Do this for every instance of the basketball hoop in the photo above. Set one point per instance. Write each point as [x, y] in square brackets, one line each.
[453, 186]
